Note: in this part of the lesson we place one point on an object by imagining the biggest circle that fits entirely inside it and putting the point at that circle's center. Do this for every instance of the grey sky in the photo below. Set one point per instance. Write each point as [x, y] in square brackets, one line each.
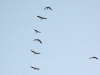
[70, 35]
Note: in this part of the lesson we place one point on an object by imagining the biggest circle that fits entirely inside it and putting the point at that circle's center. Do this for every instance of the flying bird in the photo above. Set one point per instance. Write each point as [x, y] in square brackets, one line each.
[37, 31]
[34, 52]
[41, 17]
[93, 57]
[38, 40]
[47, 8]
[35, 68]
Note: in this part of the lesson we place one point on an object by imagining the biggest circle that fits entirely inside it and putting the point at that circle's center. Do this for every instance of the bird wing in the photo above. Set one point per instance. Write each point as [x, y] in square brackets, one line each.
[37, 68]
[40, 41]
[37, 53]
[31, 67]
[44, 18]
[90, 57]
[50, 8]
[38, 31]
[39, 16]
[33, 51]
[35, 39]
[35, 30]
[96, 58]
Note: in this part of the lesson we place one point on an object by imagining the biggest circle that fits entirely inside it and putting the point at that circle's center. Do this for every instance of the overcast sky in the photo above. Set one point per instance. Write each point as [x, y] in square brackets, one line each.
[70, 36]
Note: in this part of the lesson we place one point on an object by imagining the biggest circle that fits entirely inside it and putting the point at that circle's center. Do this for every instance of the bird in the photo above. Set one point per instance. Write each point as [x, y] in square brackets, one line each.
[41, 17]
[94, 57]
[37, 40]
[37, 31]
[34, 52]
[35, 68]
[47, 8]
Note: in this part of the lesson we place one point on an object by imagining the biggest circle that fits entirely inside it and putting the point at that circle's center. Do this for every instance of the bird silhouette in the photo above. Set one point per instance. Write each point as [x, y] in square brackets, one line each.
[47, 8]
[93, 57]
[34, 52]
[35, 68]
[37, 31]
[37, 40]
[41, 17]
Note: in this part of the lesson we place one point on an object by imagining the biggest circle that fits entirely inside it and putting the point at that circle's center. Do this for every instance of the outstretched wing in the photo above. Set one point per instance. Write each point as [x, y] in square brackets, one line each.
[37, 68]
[39, 16]
[37, 53]
[50, 8]
[40, 41]
[35, 39]
[33, 51]
[44, 18]
[39, 32]
[31, 67]
[35, 30]
[96, 58]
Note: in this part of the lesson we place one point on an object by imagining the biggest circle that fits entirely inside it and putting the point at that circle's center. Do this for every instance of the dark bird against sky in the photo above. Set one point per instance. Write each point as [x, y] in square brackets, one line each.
[93, 57]
[47, 8]
[38, 40]
[34, 52]
[37, 31]
[35, 68]
[41, 17]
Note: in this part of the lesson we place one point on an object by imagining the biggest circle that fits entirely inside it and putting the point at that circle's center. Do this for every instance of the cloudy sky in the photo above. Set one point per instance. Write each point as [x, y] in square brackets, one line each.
[70, 36]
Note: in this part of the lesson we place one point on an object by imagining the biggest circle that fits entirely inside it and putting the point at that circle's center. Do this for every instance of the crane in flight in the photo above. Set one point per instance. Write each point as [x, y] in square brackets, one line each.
[41, 17]
[93, 57]
[37, 40]
[47, 8]
[35, 68]
[34, 52]
[37, 31]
